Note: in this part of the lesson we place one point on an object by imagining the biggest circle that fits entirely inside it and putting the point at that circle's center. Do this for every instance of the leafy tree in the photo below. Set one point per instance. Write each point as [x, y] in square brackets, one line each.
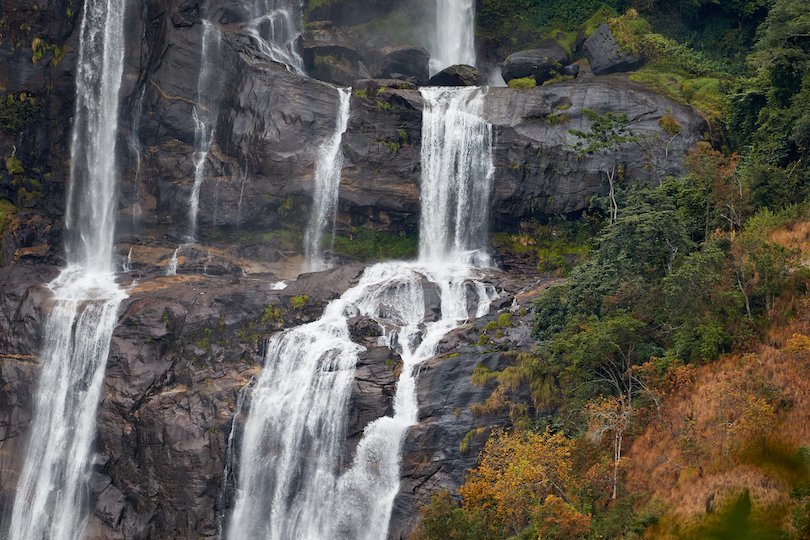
[516, 474]
[608, 133]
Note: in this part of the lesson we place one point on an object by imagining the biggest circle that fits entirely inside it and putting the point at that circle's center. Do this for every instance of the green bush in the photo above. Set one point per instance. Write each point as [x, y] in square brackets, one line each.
[18, 111]
[523, 82]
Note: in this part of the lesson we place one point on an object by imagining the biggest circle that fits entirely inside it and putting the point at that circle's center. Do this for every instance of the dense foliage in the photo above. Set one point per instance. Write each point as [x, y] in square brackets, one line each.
[696, 274]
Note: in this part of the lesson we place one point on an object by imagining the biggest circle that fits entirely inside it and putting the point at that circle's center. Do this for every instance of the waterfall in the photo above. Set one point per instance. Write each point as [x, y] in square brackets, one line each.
[276, 25]
[327, 185]
[288, 483]
[456, 174]
[454, 42]
[52, 495]
[205, 118]
[171, 268]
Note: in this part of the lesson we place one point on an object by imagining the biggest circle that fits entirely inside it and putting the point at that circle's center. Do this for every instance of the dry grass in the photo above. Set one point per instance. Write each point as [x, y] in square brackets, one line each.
[694, 453]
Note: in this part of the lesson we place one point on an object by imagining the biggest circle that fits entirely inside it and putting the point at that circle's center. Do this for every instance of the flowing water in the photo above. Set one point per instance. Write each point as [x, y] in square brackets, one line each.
[52, 495]
[289, 486]
[327, 186]
[205, 113]
[454, 41]
[456, 174]
[276, 25]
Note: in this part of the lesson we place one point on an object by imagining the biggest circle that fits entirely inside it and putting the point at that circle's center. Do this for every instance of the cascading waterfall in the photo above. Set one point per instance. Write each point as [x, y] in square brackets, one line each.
[456, 174]
[454, 41]
[327, 186]
[205, 116]
[288, 484]
[276, 26]
[52, 494]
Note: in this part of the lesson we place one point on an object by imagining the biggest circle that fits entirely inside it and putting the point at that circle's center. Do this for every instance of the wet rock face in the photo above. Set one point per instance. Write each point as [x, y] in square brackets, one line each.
[606, 55]
[24, 303]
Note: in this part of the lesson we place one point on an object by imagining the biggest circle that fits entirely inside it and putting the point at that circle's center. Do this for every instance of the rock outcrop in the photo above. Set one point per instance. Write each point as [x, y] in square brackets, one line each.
[541, 63]
[460, 75]
[606, 55]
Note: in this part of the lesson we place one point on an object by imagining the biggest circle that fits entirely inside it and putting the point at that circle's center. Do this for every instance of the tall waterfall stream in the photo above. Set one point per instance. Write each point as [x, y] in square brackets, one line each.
[51, 498]
[288, 485]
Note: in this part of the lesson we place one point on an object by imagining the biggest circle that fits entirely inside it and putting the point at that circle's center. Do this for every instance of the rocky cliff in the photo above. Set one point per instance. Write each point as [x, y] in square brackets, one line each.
[185, 346]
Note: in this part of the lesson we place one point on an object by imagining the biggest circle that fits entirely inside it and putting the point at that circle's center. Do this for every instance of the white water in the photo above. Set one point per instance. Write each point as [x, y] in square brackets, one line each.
[454, 41]
[52, 496]
[205, 118]
[456, 174]
[327, 186]
[171, 268]
[276, 26]
[288, 484]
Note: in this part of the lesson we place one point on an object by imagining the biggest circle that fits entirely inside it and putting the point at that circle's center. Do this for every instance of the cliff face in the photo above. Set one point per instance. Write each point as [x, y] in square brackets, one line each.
[186, 345]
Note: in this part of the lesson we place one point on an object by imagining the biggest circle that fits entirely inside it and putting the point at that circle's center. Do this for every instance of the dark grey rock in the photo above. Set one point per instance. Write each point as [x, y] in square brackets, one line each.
[407, 63]
[541, 63]
[459, 75]
[606, 56]
[571, 70]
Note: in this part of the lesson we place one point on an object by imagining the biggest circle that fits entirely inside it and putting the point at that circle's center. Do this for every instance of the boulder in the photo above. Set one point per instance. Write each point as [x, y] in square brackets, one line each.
[571, 70]
[606, 55]
[406, 63]
[459, 75]
[329, 55]
[540, 63]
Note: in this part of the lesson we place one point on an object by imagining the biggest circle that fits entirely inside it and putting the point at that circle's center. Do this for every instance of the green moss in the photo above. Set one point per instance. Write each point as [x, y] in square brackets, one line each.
[7, 212]
[557, 118]
[14, 165]
[523, 83]
[393, 146]
[362, 93]
[557, 247]
[40, 48]
[298, 302]
[383, 105]
[367, 245]
[557, 79]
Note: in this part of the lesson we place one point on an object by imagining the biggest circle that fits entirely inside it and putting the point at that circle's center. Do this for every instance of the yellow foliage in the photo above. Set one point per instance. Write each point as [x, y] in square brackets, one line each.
[558, 520]
[798, 344]
[517, 472]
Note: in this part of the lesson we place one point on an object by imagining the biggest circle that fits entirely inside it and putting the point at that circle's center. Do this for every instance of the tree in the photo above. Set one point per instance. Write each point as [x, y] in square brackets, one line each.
[608, 133]
[516, 474]
[611, 414]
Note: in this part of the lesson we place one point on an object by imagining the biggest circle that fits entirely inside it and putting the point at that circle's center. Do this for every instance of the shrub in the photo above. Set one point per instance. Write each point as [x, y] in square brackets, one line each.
[523, 83]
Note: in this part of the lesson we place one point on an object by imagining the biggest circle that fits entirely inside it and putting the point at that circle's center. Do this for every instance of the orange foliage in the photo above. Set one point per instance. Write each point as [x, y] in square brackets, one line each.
[558, 520]
[516, 473]
[699, 451]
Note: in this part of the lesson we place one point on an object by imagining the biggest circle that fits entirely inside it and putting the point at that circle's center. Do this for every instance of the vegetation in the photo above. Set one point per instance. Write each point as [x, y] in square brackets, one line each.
[669, 367]
[524, 82]
[367, 245]
[18, 111]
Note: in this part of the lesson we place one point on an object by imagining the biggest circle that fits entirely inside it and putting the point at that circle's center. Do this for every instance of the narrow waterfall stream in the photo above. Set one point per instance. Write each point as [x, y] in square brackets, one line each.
[327, 186]
[288, 485]
[51, 497]
[454, 40]
[205, 113]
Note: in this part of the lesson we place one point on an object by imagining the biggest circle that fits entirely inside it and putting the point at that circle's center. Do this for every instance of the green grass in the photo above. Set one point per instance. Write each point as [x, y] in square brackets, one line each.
[707, 94]
[367, 245]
